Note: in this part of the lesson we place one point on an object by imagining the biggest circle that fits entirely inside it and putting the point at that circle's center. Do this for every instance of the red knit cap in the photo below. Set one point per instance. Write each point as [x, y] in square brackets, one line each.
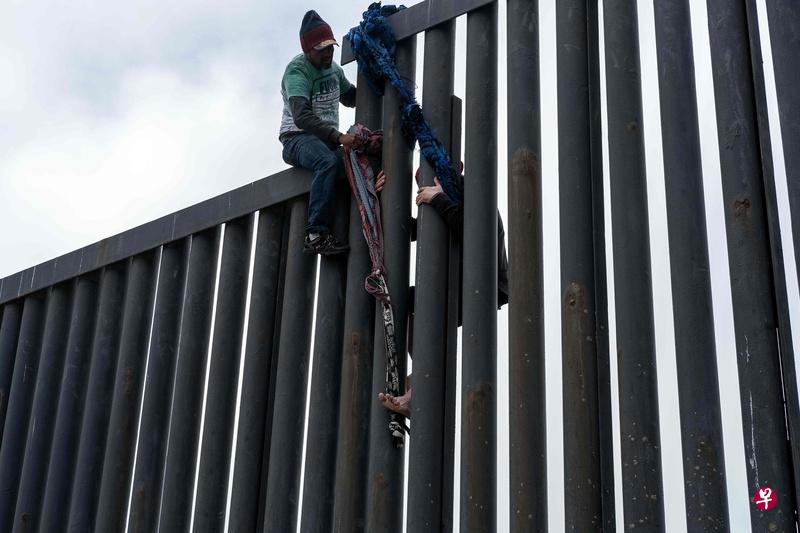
[315, 32]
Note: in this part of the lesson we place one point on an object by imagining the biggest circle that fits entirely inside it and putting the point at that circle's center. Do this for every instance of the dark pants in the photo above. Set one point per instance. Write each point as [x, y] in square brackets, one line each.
[325, 160]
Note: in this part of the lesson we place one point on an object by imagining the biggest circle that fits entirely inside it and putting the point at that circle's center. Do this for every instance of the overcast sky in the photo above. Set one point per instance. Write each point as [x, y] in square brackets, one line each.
[115, 113]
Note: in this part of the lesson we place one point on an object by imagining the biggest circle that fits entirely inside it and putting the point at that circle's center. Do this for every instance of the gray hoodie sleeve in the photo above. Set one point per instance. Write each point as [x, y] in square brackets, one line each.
[308, 121]
[348, 98]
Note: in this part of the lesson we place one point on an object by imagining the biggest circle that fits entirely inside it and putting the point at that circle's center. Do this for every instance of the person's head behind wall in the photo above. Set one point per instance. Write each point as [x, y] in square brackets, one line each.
[316, 39]
[459, 168]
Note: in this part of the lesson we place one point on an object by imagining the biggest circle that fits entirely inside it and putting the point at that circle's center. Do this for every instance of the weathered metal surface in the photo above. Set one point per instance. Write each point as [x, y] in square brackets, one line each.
[636, 357]
[420, 17]
[82, 499]
[323, 408]
[784, 335]
[184, 413]
[698, 388]
[581, 425]
[20, 400]
[527, 401]
[117, 470]
[9, 335]
[784, 27]
[454, 267]
[145, 476]
[583, 485]
[273, 376]
[355, 399]
[291, 375]
[239, 202]
[429, 344]
[116, 442]
[72, 393]
[223, 379]
[254, 415]
[785, 348]
[479, 293]
[767, 452]
[40, 428]
[604, 391]
[385, 468]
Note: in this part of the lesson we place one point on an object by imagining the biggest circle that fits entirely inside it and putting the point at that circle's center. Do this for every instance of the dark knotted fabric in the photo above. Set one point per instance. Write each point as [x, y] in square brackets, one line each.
[373, 45]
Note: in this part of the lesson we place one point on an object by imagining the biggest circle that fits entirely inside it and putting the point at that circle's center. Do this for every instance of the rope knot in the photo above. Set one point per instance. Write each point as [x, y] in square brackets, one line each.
[373, 44]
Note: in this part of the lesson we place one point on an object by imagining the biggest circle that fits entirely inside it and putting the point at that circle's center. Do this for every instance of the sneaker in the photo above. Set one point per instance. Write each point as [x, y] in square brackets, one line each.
[324, 244]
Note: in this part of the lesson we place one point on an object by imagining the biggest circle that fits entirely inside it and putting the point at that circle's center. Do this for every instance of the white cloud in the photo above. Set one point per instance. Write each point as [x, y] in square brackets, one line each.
[174, 144]
[115, 114]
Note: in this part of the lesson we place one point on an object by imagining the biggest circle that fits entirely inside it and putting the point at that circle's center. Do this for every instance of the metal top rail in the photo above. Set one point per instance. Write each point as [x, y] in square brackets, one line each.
[420, 17]
[209, 213]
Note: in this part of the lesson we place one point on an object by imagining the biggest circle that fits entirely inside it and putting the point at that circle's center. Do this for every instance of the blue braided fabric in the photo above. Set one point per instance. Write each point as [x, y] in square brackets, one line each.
[373, 45]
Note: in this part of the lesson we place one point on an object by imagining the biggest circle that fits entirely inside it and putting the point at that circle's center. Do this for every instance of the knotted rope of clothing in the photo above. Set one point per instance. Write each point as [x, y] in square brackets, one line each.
[362, 183]
[373, 45]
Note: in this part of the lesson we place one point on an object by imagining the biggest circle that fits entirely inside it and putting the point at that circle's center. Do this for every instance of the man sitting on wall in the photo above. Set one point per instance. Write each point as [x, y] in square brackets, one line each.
[312, 87]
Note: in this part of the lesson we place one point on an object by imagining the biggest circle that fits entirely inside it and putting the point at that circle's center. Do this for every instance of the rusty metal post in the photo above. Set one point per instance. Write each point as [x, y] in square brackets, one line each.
[184, 410]
[695, 350]
[527, 403]
[254, 415]
[754, 306]
[221, 394]
[600, 274]
[94, 430]
[454, 268]
[146, 474]
[120, 471]
[60, 470]
[429, 345]
[154, 414]
[9, 334]
[19, 402]
[479, 293]
[40, 428]
[291, 375]
[581, 343]
[273, 373]
[638, 394]
[323, 408]
[43, 412]
[785, 348]
[784, 18]
[385, 475]
[349, 506]
[97, 402]
[117, 470]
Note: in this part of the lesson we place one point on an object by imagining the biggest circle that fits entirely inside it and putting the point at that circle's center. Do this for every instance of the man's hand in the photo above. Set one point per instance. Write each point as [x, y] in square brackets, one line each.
[380, 181]
[426, 194]
[351, 141]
